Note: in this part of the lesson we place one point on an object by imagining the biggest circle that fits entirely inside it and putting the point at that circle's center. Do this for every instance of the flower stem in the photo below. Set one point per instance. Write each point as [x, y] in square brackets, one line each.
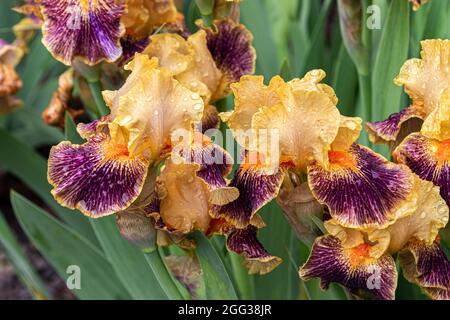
[166, 281]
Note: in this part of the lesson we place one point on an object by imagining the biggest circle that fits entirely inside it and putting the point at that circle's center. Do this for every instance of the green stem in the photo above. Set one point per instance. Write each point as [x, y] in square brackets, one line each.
[96, 92]
[244, 282]
[166, 281]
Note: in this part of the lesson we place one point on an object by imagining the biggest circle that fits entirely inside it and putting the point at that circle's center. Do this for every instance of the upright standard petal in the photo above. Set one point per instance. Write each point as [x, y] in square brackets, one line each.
[150, 107]
[361, 188]
[231, 47]
[189, 61]
[99, 177]
[245, 243]
[424, 79]
[427, 266]
[353, 268]
[89, 29]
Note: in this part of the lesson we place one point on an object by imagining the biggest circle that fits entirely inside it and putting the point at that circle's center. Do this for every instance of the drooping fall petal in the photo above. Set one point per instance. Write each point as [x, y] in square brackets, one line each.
[89, 29]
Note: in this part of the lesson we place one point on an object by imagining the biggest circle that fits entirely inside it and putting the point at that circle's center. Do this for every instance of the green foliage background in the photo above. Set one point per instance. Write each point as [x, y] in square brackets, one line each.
[291, 37]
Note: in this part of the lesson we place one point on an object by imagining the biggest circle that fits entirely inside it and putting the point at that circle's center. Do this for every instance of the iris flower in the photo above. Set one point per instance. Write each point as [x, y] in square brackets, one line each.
[367, 197]
[208, 61]
[361, 259]
[107, 173]
[424, 80]
[10, 82]
[316, 141]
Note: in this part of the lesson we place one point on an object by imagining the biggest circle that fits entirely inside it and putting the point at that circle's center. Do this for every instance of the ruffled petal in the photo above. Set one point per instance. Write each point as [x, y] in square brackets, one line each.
[429, 159]
[184, 196]
[189, 61]
[429, 216]
[307, 123]
[353, 268]
[143, 16]
[99, 177]
[250, 94]
[427, 266]
[150, 107]
[388, 130]
[87, 29]
[348, 133]
[231, 47]
[245, 243]
[256, 188]
[215, 162]
[362, 189]
[424, 79]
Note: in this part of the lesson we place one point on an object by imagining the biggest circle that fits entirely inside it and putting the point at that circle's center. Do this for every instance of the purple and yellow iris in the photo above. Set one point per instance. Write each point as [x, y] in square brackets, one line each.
[360, 259]
[424, 80]
[111, 167]
[377, 207]
[208, 61]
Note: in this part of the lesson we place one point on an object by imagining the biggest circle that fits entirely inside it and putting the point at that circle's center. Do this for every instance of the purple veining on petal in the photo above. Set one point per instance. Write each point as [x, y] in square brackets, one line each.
[245, 243]
[427, 266]
[365, 194]
[130, 46]
[417, 153]
[256, 188]
[215, 163]
[329, 262]
[87, 178]
[231, 48]
[91, 33]
[387, 130]
[210, 118]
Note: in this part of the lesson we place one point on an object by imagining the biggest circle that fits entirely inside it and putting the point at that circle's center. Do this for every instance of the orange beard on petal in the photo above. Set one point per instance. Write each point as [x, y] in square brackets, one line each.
[341, 159]
[443, 151]
[359, 254]
[116, 151]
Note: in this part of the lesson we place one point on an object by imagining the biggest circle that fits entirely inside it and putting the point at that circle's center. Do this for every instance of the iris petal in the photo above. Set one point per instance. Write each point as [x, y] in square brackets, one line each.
[98, 177]
[245, 243]
[256, 188]
[429, 159]
[231, 47]
[388, 130]
[89, 29]
[361, 188]
[427, 266]
[329, 261]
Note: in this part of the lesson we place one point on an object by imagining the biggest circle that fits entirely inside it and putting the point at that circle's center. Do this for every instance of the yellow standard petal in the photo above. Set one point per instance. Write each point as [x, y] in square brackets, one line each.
[425, 79]
[189, 61]
[150, 106]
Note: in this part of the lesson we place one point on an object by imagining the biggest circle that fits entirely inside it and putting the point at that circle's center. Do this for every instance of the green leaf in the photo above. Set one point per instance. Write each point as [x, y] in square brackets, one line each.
[31, 168]
[63, 247]
[24, 270]
[217, 281]
[255, 18]
[438, 22]
[392, 53]
[127, 261]
[71, 132]
[345, 82]
[205, 6]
